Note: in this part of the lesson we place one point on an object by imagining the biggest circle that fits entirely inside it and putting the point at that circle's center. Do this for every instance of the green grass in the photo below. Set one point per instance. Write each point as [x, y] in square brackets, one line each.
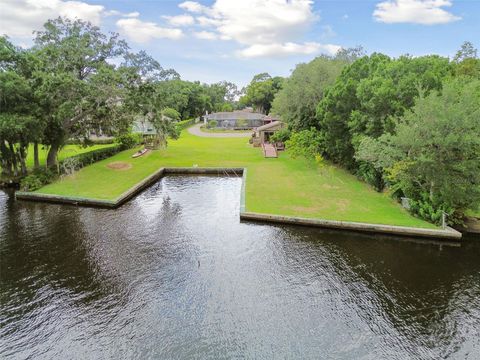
[283, 186]
[474, 213]
[67, 151]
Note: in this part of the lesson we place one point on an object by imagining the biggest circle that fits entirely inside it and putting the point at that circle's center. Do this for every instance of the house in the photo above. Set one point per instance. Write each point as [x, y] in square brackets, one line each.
[263, 133]
[236, 119]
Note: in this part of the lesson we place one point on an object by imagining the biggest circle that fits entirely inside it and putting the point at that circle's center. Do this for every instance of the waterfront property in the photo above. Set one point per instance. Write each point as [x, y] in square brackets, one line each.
[283, 186]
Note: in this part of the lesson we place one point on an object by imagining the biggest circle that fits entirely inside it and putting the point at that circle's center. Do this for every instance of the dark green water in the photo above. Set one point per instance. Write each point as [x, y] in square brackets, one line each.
[173, 274]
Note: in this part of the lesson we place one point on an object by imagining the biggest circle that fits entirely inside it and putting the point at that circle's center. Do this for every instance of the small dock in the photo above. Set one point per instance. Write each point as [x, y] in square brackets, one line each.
[269, 151]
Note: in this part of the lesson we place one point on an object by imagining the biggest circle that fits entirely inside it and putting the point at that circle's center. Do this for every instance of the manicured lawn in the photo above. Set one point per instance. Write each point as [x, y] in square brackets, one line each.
[67, 151]
[283, 186]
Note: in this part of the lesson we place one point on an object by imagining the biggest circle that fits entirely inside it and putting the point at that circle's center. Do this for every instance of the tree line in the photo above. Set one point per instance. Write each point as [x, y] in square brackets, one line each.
[409, 124]
[76, 80]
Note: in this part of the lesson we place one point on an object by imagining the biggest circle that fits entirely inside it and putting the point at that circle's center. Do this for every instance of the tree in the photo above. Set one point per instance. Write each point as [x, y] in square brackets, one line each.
[466, 51]
[350, 55]
[231, 91]
[192, 99]
[19, 125]
[261, 91]
[466, 61]
[368, 95]
[77, 88]
[434, 155]
[172, 114]
[297, 101]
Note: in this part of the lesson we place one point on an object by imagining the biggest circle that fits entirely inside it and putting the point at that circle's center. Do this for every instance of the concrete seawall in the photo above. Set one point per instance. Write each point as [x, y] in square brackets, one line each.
[439, 234]
[447, 233]
[130, 193]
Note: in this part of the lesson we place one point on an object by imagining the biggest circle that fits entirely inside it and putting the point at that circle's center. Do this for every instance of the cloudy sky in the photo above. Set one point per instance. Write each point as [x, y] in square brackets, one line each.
[232, 40]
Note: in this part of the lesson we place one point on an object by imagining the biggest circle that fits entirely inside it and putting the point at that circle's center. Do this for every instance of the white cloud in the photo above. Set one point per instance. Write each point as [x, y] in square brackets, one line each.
[142, 31]
[19, 18]
[205, 35]
[180, 20]
[132, 14]
[263, 26]
[112, 13]
[287, 49]
[262, 21]
[193, 6]
[119, 13]
[426, 12]
[206, 21]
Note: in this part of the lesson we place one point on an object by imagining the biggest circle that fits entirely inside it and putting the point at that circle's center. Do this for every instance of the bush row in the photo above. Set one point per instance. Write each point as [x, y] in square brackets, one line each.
[185, 124]
[91, 157]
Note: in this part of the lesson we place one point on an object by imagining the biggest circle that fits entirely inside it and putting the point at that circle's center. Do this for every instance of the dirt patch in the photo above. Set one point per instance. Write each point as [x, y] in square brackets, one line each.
[342, 205]
[330, 187]
[119, 165]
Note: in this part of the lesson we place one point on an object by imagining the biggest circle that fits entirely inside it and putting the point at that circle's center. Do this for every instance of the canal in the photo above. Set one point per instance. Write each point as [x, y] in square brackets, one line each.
[174, 274]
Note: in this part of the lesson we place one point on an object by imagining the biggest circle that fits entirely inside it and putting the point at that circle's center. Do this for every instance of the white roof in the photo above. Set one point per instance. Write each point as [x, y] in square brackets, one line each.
[270, 125]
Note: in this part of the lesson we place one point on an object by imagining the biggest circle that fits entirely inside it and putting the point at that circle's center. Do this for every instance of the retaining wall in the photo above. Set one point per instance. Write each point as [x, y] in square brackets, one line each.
[439, 234]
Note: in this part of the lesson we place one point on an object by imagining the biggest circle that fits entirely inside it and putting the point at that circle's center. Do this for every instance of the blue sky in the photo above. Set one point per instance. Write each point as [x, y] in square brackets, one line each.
[233, 40]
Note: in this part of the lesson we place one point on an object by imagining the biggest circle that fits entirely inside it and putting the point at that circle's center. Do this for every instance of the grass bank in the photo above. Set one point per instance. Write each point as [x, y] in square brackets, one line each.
[283, 186]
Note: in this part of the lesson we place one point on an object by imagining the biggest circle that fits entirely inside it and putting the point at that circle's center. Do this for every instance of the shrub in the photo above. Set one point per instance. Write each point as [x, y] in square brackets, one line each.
[306, 143]
[242, 123]
[433, 213]
[36, 180]
[127, 140]
[282, 135]
[185, 124]
[91, 157]
[212, 124]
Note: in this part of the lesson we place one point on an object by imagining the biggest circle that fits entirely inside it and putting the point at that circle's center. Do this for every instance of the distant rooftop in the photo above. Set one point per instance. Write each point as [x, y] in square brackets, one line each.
[235, 115]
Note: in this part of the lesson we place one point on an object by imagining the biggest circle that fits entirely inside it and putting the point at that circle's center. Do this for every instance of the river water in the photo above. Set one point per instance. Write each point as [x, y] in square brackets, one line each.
[173, 274]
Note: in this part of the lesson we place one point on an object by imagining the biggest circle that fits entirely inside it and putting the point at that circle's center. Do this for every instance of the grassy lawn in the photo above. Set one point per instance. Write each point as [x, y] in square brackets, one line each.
[283, 186]
[474, 213]
[67, 151]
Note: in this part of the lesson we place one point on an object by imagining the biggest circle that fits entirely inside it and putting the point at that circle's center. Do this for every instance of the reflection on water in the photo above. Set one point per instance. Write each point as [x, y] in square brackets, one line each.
[174, 274]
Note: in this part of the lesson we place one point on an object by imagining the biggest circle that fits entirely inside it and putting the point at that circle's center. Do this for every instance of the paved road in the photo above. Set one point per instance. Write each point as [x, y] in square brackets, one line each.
[195, 130]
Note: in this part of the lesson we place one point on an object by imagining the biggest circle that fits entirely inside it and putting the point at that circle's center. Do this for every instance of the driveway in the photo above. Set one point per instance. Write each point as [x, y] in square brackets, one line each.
[195, 130]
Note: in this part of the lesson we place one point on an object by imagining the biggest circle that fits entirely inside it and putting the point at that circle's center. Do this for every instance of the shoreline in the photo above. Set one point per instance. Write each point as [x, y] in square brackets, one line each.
[447, 233]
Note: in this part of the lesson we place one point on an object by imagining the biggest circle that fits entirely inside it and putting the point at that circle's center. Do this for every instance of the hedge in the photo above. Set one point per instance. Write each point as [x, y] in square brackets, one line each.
[185, 124]
[93, 156]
